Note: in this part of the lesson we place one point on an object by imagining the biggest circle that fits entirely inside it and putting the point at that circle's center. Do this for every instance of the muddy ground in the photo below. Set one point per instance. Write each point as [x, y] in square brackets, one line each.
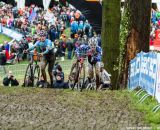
[64, 109]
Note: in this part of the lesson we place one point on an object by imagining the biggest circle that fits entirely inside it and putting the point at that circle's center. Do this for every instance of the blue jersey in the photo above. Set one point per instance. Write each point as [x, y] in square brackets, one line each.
[44, 47]
[83, 50]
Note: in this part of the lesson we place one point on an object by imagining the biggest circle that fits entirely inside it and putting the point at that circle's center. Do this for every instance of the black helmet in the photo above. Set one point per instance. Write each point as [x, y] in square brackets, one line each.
[42, 33]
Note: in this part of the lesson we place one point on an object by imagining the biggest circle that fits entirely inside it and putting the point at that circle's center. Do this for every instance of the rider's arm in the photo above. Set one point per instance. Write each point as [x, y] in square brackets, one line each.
[48, 47]
[33, 47]
[99, 54]
[77, 52]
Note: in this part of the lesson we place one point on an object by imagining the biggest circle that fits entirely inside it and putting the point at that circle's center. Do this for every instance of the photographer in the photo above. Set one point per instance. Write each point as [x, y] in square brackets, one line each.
[10, 80]
[59, 78]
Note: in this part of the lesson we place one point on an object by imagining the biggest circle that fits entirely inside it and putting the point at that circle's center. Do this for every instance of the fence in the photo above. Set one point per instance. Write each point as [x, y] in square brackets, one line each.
[144, 72]
[11, 33]
[20, 69]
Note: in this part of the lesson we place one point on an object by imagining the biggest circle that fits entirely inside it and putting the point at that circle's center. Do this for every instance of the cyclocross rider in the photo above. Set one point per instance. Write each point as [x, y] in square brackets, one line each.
[47, 52]
[94, 54]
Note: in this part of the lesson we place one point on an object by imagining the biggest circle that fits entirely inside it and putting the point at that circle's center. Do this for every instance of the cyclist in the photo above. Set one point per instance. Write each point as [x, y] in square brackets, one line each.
[47, 52]
[94, 54]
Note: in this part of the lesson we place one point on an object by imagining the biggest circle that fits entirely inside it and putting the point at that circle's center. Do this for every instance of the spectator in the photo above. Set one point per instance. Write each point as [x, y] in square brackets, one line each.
[2, 56]
[105, 80]
[74, 28]
[52, 33]
[10, 80]
[87, 28]
[59, 77]
[62, 48]
[70, 48]
[41, 82]
[58, 49]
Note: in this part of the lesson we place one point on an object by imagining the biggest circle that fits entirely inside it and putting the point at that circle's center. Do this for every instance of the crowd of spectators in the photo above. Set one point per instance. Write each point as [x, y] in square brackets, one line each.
[155, 26]
[30, 20]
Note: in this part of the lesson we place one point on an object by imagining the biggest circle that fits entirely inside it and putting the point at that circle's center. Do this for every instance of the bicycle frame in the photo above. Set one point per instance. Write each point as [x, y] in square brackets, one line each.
[32, 68]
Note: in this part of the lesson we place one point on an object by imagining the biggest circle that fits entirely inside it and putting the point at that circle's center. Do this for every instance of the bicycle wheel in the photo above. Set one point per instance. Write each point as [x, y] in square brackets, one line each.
[36, 75]
[72, 76]
[28, 79]
[81, 77]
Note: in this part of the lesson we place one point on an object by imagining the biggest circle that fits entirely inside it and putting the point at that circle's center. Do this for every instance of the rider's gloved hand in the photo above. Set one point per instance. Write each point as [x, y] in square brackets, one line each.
[81, 60]
[89, 53]
[41, 54]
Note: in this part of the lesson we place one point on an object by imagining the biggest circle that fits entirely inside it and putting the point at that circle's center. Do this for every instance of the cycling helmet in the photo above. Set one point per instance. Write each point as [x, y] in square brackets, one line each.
[42, 33]
[93, 42]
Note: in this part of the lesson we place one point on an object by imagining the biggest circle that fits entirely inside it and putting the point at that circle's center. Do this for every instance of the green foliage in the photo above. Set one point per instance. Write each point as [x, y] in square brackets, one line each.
[124, 32]
[4, 38]
[146, 107]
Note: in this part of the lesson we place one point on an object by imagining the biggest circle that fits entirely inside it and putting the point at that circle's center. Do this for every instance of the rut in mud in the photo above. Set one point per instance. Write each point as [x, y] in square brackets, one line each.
[64, 109]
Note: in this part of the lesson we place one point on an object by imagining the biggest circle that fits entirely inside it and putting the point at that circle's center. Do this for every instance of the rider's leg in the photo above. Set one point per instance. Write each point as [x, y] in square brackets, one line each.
[90, 72]
[97, 70]
[43, 65]
[50, 69]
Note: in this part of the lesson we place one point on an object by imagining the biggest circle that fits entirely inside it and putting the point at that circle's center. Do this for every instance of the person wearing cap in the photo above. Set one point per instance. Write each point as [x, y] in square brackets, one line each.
[47, 53]
[10, 80]
[70, 47]
[59, 78]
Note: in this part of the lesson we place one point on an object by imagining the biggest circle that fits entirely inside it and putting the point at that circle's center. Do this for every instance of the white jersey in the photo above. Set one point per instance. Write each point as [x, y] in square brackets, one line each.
[105, 77]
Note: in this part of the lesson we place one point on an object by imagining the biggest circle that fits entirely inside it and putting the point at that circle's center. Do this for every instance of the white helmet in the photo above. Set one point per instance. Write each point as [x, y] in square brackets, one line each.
[93, 42]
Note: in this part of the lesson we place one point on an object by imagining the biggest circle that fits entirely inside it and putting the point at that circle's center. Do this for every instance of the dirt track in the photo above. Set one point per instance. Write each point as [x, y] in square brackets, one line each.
[56, 109]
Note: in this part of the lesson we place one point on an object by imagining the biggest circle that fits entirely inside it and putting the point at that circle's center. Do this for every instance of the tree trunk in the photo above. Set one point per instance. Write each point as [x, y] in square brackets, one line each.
[110, 37]
[138, 39]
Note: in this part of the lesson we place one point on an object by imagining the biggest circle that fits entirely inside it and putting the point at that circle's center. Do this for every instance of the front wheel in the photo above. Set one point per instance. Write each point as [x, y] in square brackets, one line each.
[81, 78]
[72, 76]
[28, 78]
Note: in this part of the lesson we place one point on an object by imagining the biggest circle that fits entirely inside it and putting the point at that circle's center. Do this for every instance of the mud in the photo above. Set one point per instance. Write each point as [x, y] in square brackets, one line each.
[67, 110]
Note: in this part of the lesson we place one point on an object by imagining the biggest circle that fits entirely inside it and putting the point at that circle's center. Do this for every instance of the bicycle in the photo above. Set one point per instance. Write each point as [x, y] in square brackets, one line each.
[32, 73]
[76, 78]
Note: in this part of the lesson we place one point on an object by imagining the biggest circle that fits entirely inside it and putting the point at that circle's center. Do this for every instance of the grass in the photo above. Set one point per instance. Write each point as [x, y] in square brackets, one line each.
[146, 107]
[67, 32]
[4, 38]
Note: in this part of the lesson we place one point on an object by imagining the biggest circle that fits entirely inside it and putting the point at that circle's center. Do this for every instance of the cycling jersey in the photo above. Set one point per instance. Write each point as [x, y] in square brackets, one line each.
[45, 47]
[85, 50]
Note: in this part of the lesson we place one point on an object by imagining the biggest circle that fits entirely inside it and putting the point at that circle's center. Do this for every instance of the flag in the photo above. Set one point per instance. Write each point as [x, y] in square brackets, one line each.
[7, 50]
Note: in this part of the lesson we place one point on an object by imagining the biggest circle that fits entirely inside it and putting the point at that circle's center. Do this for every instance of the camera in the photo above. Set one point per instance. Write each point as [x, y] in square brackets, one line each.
[12, 76]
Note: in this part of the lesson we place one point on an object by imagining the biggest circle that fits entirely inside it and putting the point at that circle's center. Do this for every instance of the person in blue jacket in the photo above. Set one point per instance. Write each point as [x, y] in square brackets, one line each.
[47, 53]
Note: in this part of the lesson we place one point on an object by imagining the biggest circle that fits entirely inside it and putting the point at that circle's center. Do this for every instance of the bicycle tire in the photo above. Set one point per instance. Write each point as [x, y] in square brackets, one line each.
[28, 75]
[36, 75]
[81, 77]
[72, 75]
